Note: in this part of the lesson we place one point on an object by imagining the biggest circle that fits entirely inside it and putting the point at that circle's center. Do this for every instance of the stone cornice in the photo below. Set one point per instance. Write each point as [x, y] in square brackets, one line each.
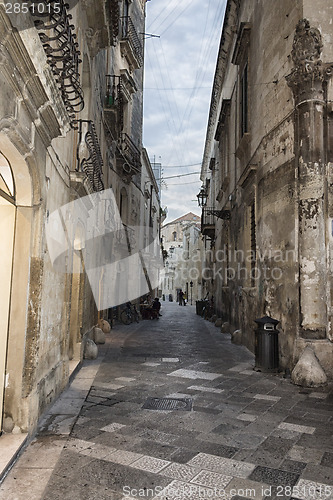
[227, 37]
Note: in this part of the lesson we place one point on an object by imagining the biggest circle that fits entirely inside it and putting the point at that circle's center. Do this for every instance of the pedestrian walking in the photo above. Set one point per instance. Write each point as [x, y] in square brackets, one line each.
[181, 298]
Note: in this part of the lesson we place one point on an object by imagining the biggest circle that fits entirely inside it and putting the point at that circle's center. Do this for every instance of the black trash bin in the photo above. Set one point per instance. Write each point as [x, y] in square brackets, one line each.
[204, 307]
[266, 345]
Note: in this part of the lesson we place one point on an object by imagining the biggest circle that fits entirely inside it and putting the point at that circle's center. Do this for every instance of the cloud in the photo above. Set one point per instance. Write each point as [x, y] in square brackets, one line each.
[179, 72]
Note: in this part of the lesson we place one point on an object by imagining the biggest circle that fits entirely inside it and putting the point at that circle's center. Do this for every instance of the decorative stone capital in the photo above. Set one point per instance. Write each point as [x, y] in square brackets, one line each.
[307, 45]
[306, 79]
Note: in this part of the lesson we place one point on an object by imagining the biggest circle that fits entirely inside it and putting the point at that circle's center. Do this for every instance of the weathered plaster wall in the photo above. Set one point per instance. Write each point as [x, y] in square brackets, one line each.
[279, 166]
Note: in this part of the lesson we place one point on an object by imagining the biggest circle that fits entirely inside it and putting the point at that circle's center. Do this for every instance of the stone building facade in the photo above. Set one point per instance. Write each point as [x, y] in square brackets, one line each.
[267, 171]
[182, 242]
[191, 268]
[70, 134]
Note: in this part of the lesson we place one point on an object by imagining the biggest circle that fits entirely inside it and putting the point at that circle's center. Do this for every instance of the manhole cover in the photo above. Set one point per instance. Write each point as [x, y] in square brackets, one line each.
[168, 404]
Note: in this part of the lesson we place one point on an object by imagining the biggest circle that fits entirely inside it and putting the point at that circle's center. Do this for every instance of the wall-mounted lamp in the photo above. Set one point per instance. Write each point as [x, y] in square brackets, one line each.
[202, 197]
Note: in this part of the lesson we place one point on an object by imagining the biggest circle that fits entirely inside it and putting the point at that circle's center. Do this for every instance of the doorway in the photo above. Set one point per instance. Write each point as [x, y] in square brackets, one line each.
[7, 231]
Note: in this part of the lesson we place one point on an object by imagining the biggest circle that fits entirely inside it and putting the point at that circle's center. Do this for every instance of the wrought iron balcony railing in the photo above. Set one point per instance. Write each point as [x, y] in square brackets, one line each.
[113, 92]
[112, 9]
[208, 222]
[128, 157]
[130, 35]
[59, 42]
[89, 157]
[114, 101]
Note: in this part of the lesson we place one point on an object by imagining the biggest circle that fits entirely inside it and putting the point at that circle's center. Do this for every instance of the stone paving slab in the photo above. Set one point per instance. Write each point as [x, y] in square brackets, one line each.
[249, 435]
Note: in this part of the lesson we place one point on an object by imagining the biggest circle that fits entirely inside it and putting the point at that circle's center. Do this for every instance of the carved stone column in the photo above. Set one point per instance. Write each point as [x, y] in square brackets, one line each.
[308, 81]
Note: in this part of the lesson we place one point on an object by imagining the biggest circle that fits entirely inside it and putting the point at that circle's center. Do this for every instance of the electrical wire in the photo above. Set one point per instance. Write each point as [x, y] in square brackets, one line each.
[205, 55]
[167, 113]
[174, 20]
[162, 11]
[176, 121]
[176, 88]
[184, 183]
[182, 166]
[180, 175]
[176, 115]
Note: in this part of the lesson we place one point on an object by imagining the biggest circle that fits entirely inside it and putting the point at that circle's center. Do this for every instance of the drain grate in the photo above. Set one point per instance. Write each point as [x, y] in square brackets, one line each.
[184, 404]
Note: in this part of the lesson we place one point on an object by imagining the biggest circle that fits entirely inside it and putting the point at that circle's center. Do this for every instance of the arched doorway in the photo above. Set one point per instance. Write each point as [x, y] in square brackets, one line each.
[16, 223]
[7, 231]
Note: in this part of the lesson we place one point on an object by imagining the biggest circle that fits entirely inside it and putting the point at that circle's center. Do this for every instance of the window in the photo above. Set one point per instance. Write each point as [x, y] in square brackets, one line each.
[241, 58]
[174, 235]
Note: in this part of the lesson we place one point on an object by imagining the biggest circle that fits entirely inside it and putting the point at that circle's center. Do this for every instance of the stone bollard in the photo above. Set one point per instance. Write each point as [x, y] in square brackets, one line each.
[99, 336]
[236, 337]
[104, 326]
[90, 350]
[218, 322]
[225, 328]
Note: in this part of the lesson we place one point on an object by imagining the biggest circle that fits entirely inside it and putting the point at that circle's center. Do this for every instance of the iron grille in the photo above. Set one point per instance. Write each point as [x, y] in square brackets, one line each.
[89, 155]
[130, 34]
[61, 48]
[130, 155]
[168, 404]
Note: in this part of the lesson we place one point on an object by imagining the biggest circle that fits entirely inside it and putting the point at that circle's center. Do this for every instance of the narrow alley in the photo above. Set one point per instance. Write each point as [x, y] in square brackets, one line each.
[232, 432]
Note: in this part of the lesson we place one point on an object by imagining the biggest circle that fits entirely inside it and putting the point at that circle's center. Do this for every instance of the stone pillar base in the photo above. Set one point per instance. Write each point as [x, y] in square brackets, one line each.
[308, 371]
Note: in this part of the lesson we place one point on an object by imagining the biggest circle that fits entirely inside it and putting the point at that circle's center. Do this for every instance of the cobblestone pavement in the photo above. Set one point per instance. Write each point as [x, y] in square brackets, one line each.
[233, 432]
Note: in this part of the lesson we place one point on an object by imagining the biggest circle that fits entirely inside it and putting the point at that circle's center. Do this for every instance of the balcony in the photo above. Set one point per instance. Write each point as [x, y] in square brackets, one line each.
[59, 41]
[208, 222]
[130, 45]
[118, 92]
[112, 15]
[89, 157]
[114, 105]
[128, 157]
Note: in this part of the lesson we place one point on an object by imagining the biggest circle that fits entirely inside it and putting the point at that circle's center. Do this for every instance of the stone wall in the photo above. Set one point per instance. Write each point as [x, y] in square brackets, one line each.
[270, 142]
[51, 307]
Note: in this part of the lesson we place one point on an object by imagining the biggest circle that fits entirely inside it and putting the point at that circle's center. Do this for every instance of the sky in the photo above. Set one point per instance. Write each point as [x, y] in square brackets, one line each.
[179, 72]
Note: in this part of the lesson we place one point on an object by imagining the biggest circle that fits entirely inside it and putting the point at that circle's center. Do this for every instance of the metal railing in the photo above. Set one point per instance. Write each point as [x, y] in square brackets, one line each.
[113, 93]
[129, 33]
[89, 156]
[113, 15]
[59, 42]
[207, 217]
[130, 155]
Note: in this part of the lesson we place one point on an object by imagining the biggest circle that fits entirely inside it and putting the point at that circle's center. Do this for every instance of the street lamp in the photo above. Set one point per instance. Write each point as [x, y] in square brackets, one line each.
[191, 285]
[202, 197]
